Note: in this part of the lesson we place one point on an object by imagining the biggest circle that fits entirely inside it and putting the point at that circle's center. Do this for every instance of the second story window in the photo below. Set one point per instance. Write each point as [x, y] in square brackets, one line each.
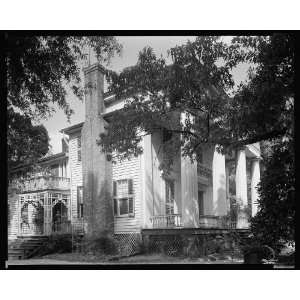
[79, 148]
[170, 197]
[54, 170]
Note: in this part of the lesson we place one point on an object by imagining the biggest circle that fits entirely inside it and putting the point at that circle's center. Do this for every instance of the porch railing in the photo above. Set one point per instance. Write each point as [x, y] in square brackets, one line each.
[78, 226]
[41, 183]
[166, 221]
[207, 221]
[31, 229]
[48, 228]
[61, 227]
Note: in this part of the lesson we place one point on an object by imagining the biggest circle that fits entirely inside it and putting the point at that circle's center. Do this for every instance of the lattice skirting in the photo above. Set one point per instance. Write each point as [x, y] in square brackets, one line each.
[129, 243]
[194, 245]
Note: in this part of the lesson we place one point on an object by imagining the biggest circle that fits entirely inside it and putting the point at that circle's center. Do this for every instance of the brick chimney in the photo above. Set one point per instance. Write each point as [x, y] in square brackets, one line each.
[97, 171]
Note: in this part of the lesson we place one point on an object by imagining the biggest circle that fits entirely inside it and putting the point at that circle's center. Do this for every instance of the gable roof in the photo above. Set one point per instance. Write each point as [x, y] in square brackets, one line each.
[45, 160]
[72, 129]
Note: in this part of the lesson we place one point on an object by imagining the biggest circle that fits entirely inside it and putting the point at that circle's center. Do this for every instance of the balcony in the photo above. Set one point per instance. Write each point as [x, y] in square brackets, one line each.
[204, 174]
[44, 182]
[166, 221]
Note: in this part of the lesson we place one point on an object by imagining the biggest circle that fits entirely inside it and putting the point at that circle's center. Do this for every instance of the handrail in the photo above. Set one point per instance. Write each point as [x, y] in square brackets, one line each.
[208, 221]
[38, 177]
[166, 221]
[42, 182]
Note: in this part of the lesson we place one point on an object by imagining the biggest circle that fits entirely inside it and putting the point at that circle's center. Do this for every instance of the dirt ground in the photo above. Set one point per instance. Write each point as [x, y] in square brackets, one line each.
[74, 258]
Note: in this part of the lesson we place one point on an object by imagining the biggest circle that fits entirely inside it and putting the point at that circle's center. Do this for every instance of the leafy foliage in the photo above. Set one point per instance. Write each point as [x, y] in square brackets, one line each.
[39, 70]
[59, 243]
[158, 93]
[268, 106]
[274, 223]
[26, 143]
[198, 83]
[39, 67]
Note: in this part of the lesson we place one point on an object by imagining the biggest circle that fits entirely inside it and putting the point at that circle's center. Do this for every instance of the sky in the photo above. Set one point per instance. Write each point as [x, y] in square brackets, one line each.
[131, 47]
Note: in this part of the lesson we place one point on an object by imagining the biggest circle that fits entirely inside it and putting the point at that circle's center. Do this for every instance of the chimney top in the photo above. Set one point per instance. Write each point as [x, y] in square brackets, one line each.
[94, 67]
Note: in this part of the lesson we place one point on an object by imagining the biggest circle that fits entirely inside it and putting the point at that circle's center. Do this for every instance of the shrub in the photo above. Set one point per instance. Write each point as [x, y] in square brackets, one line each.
[104, 245]
[60, 243]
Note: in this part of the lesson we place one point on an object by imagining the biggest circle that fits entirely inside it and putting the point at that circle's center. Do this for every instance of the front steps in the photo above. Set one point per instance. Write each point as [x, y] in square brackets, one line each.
[25, 247]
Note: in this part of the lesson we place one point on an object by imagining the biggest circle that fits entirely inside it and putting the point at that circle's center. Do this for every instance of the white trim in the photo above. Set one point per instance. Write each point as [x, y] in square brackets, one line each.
[125, 197]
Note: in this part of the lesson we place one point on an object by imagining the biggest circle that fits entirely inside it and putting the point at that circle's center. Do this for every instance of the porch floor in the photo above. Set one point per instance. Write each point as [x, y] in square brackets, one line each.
[192, 231]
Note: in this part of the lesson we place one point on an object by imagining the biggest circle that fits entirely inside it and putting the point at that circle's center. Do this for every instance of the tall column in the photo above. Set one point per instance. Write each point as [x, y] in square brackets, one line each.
[219, 185]
[241, 189]
[59, 170]
[255, 178]
[96, 170]
[189, 188]
[189, 193]
[227, 185]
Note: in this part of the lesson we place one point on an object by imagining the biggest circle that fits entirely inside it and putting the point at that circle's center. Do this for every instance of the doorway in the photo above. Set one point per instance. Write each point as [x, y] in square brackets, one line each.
[60, 218]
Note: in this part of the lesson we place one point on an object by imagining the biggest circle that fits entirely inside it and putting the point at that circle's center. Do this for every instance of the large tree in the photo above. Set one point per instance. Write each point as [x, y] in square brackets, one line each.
[40, 69]
[199, 82]
[25, 142]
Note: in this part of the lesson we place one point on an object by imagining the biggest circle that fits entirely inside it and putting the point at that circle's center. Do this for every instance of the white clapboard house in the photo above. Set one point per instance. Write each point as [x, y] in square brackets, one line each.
[84, 191]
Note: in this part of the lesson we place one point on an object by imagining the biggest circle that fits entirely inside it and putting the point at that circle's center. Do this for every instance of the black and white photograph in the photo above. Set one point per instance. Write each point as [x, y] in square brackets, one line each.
[150, 150]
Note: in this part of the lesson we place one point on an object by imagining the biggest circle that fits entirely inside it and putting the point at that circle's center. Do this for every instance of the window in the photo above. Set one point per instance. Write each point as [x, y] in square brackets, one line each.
[123, 198]
[79, 148]
[170, 196]
[200, 203]
[79, 201]
[54, 170]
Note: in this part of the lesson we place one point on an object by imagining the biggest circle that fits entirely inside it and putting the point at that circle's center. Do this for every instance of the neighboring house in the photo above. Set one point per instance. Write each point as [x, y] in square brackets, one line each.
[125, 198]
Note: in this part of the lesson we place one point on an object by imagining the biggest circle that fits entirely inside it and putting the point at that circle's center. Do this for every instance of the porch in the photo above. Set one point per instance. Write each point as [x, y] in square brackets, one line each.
[194, 242]
[174, 221]
[45, 213]
[42, 182]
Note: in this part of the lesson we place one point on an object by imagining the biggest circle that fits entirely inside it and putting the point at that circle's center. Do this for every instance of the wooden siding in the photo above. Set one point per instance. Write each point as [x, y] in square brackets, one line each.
[125, 170]
[13, 214]
[75, 172]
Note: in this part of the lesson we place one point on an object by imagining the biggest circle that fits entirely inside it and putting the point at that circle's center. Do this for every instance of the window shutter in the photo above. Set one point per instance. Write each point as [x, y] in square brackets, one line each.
[114, 188]
[78, 201]
[130, 186]
[81, 210]
[130, 208]
[115, 207]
